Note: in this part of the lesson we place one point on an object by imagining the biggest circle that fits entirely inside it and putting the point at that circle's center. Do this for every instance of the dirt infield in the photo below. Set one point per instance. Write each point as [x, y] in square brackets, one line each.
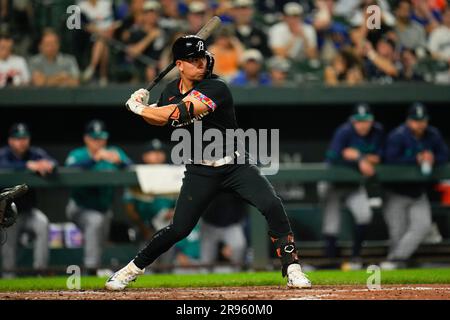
[387, 292]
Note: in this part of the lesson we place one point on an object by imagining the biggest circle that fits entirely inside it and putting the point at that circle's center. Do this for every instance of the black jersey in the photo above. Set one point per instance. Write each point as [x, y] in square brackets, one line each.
[216, 95]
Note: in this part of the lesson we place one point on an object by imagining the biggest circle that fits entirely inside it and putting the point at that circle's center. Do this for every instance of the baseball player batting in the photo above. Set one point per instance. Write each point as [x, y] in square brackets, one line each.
[199, 95]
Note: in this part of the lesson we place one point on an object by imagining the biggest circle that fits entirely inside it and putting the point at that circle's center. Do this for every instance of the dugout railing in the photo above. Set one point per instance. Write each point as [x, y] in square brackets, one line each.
[306, 173]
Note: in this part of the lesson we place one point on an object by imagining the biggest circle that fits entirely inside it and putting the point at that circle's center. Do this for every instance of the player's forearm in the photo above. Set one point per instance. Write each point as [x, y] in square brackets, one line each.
[158, 116]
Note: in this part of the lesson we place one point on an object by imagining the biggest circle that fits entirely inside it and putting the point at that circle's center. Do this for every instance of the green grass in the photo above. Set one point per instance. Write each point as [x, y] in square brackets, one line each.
[410, 276]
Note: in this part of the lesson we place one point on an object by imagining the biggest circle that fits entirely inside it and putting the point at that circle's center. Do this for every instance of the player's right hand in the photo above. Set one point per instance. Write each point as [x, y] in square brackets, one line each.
[135, 105]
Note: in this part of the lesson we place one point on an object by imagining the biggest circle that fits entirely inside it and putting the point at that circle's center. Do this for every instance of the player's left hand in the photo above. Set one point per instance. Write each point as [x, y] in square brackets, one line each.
[142, 95]
[138, 101]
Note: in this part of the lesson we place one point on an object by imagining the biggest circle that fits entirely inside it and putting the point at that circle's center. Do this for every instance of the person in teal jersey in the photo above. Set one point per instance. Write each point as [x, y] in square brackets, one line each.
[90, 207]
[357, 143]
[146, 210]
[187, 252]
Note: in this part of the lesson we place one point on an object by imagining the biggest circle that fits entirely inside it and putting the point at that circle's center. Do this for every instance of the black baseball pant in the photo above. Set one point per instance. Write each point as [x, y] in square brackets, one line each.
[200, 185]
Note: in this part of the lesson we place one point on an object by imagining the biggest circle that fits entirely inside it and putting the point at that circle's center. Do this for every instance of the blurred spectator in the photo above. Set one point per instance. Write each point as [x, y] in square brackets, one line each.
[52, 68]
[381, 64]
[252, 73]
[429, 17]
[251, 36]
[13, 69]
[407, 210]
[17, 17]
[332, 35]
[292, 38]
[279, 71]
[141, 208]
[360, 34]
[410, 34]
[409, 70]
[355, 11]
[135, 10]
[90, 207]
[439, 41]
[357, 143]
[147, 39]
[170, 16]
[227, 50]
[19, 155]
[98, 21]
[345, 68]
[222, 223]
[196, 17]
[166, 57]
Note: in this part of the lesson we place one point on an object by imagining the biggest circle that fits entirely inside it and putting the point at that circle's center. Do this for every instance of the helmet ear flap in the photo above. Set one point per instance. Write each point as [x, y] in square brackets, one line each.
[209, 64]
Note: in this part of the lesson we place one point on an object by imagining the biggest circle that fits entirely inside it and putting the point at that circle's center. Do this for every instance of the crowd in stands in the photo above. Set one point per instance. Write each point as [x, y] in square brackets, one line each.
[260, 43]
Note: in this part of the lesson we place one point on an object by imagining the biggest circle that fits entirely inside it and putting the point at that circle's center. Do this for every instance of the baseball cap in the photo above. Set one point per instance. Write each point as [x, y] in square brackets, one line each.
[252, 54]
[292, 9]
[362, 112]
[417, 111]
[188, 47]
[96, 129]
[279, 63]
[19, 130]
[197, 7]
[154, 145]
[242, 3]
[151, 6]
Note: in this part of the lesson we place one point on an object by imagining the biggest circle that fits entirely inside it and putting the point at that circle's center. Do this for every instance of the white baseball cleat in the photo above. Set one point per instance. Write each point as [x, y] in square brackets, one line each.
[120, 280]
[296, 278]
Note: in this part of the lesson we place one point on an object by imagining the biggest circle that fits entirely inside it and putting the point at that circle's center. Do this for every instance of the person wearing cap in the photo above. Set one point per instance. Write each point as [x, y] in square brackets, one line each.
[407, 209]
[20, 155]
[141, 208]
[279, 71]
[246, 30]
[358, 143]
[90, 207]
[196, 16]
[200, 98]
[251, 73]
[13, 69]
[292, 38]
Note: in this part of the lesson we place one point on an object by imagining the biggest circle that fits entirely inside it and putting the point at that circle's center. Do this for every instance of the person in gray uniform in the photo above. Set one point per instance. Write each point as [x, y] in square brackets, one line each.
[357, 143]
[407, 210]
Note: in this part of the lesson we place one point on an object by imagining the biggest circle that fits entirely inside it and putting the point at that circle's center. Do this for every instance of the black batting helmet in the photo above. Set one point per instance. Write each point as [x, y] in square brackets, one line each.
[188, 47]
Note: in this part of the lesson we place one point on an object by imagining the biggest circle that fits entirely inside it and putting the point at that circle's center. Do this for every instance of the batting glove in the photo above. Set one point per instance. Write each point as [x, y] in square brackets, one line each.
[142, 94]
[138, 101]
[134, 105]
